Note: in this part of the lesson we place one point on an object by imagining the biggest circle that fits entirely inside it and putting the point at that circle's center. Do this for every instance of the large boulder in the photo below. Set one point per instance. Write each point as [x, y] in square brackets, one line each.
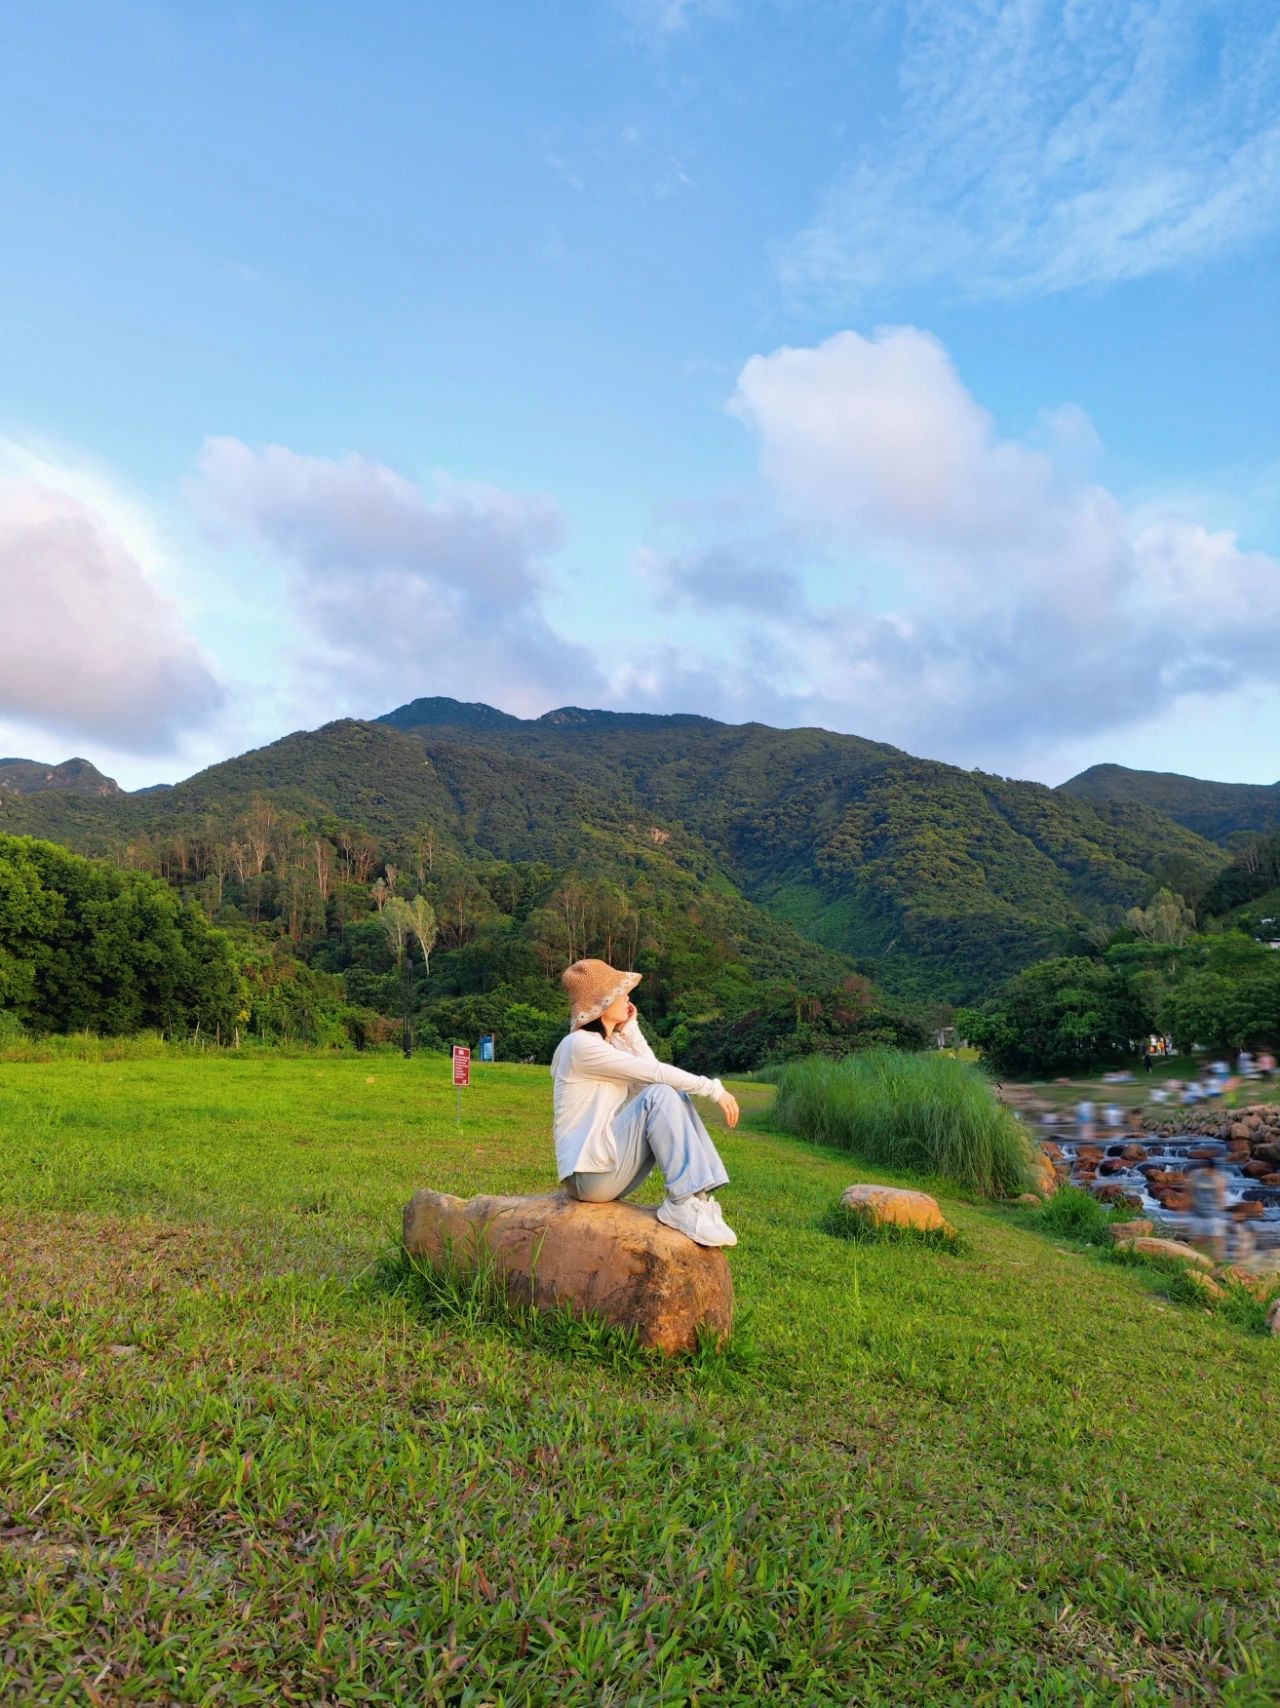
[615, 1259]
[898, 1207]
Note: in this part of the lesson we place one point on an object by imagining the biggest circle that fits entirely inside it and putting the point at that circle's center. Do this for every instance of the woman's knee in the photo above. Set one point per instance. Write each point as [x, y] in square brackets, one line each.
[594, 1191]
[663, 1096]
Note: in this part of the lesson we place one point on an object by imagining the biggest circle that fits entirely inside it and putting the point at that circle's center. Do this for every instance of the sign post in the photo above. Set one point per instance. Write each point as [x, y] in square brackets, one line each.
[461, 1075]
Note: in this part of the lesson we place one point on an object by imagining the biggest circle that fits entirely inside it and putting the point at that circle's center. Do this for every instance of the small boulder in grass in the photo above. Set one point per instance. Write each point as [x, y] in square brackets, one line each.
[1212, 1290]
[1273, 1317]
[1120, 1233]
[897, 1207]
[1171, 1248]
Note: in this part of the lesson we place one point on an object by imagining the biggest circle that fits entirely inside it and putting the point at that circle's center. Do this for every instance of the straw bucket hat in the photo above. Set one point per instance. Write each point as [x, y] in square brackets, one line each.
[592, 986]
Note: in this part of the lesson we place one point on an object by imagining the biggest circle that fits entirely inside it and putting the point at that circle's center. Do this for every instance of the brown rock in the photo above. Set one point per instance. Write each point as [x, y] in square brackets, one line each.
[895, 1206]
[617, 1259]
[1111, 1193]
[1245, 1211]
[1120, 1233]
[1206, 1284]
[1203, 1153]
[1134, 1153]
[1172, 1248]
[1268, 1152]
[1044, 1178]
[1259, 1285]
[1270, 1179]
[1256, 1170]
[1273, 1317]
[1113, 1166]
[1176, 1199]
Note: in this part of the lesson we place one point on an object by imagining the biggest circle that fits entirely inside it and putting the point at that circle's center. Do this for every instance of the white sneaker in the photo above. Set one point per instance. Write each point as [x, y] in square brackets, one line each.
[699, 1217]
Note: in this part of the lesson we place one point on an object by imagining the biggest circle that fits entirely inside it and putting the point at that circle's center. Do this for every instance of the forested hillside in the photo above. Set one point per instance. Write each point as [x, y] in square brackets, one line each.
[299, 848]
[1214, 810]
[938, 881]
[798, 855]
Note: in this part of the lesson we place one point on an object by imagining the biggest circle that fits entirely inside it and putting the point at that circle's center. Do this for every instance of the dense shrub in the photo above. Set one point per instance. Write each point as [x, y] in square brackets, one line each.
[928, 1113]
[84, 945]
[784, 1024]
[1060, 1016]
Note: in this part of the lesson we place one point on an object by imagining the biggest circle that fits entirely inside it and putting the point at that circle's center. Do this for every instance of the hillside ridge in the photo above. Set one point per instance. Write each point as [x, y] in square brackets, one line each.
[936, 882]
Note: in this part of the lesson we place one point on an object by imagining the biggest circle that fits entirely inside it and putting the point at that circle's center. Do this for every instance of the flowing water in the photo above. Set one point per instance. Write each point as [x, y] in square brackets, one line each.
[1173, 1153]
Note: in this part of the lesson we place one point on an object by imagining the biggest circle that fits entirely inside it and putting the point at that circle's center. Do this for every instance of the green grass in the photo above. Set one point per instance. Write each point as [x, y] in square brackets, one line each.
[927, 1113]
[244, 1460]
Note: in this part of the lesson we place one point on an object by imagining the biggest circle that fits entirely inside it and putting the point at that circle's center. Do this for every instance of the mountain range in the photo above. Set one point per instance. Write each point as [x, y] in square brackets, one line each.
[851, 854]
[1215, 810]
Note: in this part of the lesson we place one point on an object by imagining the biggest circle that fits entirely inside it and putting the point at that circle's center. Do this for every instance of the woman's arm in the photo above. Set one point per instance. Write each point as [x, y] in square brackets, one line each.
[592, 1056]
[630, 1029]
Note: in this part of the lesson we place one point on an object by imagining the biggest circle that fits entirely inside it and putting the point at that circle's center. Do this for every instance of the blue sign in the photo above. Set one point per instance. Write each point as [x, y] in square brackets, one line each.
[485, 1051]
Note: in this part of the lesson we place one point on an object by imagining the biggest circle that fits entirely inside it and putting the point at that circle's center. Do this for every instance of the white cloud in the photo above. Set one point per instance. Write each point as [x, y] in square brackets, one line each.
[1043, 147]
[93, 647]
[403, 593]
[658, 18]
[1019, 603]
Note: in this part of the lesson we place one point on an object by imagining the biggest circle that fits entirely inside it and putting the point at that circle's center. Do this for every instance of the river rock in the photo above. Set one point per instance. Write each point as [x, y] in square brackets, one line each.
[896, 1206]
[1247, 1210]
[1044, 1177]
[1172, 1248]
[1273, 1317]
[616, 1259]
[1268, 1153]
[1110, 1192]
[1120, 1233]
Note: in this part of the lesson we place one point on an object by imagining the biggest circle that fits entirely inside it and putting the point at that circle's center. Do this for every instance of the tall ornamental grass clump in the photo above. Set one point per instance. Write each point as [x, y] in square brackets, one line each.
[927, 1113]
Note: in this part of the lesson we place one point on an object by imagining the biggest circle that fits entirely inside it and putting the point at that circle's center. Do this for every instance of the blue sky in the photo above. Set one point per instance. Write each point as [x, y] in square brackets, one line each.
[905, 369]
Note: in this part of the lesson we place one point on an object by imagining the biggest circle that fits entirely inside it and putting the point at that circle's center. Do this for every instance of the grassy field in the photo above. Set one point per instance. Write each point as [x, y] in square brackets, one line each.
[234, 1471]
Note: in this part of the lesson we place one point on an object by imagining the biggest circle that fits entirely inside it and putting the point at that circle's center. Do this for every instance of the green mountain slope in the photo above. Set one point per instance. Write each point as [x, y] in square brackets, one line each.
[937, 880]
[474, 804]
[799, 850]
[1213, 810]
[72, 777]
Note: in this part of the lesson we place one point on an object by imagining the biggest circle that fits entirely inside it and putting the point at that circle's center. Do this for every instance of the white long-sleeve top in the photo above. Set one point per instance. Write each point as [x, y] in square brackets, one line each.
[592, 1077]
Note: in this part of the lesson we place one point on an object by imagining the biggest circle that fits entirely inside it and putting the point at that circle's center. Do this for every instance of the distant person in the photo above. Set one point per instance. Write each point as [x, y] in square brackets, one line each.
[1266, 1064]
[1084, 1119]
[618, 1110]
[1113, 1115]
[1146, 1058]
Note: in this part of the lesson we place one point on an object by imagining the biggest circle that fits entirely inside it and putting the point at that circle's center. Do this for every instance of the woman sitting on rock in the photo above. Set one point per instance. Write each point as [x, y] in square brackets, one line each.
[608, 1140]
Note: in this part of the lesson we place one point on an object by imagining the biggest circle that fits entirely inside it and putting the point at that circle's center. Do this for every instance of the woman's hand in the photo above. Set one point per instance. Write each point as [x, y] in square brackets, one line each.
[631, 1013]
[729, 1107]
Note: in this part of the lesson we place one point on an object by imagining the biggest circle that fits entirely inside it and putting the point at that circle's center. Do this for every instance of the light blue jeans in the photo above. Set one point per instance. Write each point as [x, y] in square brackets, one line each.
[659, 1126]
